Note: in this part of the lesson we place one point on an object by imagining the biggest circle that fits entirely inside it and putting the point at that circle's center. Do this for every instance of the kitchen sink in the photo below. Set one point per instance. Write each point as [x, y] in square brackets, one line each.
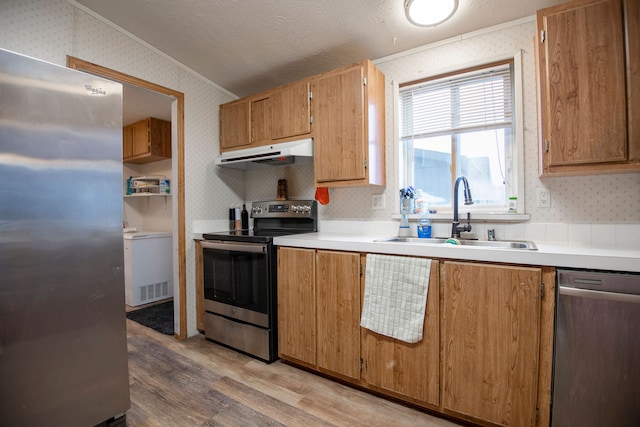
[502, 244]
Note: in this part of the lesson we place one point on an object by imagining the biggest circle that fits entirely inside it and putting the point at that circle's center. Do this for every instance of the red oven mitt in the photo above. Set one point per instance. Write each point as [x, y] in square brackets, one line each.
[322, 195]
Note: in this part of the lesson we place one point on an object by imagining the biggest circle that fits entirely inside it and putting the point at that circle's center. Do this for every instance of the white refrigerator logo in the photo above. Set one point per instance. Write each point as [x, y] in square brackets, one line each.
[95, 90]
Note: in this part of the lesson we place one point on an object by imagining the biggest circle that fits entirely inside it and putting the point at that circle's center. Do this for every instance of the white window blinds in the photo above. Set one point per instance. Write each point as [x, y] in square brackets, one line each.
[479, 100]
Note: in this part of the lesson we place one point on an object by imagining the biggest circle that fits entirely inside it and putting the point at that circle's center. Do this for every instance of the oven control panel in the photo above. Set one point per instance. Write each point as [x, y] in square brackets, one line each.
[284, 209]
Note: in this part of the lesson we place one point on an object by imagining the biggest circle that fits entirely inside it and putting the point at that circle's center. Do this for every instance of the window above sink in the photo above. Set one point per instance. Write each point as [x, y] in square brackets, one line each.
[465, 122]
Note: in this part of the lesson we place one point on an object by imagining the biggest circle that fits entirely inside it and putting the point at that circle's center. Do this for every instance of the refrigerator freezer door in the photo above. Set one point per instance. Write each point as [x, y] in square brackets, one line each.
[63, 345]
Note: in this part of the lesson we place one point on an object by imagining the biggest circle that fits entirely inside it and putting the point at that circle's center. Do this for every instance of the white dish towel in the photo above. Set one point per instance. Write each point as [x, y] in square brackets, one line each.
[395, 296]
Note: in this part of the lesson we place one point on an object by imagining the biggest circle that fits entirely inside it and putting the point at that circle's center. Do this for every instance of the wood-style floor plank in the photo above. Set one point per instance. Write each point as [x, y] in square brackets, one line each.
[198, 383]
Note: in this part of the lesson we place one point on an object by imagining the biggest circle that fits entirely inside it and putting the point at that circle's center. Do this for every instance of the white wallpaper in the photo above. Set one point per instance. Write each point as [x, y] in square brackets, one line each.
[52, 29]
[601, 199]
[96, 42]
[42, 29]
[592, 199]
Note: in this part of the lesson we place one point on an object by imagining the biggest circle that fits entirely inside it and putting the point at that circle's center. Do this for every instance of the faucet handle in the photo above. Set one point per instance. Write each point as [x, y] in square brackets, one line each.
[467, 226]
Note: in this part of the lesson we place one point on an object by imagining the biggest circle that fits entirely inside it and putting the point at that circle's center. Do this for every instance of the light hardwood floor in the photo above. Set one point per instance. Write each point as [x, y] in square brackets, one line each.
[198, 383]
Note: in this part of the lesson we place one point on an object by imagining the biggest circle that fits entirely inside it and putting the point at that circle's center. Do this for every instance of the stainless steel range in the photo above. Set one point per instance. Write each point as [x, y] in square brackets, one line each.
[240, 277]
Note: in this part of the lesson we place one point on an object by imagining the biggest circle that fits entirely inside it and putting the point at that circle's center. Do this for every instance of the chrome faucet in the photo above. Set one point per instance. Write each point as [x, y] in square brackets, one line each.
[456, 228]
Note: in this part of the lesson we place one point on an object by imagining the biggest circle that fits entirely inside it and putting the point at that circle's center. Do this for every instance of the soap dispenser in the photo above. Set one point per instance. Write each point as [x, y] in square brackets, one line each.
[404, 230]
[405, 209]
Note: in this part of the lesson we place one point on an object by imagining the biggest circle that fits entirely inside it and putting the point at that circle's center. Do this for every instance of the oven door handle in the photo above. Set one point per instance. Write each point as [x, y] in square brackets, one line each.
[236, 247]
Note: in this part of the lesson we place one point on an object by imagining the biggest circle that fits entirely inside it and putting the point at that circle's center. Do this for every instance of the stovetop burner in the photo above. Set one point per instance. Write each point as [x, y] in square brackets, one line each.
[254, 236]
[272, 219]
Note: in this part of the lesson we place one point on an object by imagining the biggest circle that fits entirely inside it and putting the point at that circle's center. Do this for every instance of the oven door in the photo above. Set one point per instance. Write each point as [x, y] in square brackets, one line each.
[237, 280]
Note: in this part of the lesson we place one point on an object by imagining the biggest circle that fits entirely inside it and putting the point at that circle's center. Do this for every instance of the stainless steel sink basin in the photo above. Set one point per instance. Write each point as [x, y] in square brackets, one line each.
[503, 244]
[396, 239]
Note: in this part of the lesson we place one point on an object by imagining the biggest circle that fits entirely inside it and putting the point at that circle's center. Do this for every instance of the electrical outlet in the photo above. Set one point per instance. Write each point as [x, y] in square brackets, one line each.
[543, 198]
[377, 201]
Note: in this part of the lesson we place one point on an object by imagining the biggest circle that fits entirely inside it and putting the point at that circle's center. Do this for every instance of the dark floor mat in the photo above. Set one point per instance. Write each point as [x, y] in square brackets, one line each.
[158, 317]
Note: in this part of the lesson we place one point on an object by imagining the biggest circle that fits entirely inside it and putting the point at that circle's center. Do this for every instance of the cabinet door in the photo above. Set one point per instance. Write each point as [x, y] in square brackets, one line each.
[338, 312]
[127, 142]
[141, 140]
[234, 124]
[409, 370]
[490, 338]
[261, 121]
[290, 114]
[582, 69]
[297, 304]
[632, 30]
[135, 140]
[339, 128]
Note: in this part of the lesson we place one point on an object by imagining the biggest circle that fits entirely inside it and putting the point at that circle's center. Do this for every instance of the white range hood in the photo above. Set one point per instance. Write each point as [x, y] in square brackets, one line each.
[275, 154]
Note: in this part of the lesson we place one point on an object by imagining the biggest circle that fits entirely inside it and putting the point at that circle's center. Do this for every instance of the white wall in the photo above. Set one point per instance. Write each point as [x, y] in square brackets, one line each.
[52, 29]
[597, 210]
[600, 199]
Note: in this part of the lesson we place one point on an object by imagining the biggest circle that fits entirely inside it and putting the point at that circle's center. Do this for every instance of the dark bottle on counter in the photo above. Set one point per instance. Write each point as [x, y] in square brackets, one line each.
[232, 219]
[245, 218]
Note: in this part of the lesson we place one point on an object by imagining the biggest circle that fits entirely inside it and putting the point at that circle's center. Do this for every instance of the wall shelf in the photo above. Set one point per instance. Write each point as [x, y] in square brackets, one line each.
[142, 195]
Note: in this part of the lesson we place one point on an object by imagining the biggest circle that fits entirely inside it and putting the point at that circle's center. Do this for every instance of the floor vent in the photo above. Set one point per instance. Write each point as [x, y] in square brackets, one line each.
[154, 292]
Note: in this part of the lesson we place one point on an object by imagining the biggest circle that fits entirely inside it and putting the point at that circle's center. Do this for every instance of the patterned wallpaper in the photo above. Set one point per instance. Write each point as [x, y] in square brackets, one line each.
[601, 199]
[52, 29]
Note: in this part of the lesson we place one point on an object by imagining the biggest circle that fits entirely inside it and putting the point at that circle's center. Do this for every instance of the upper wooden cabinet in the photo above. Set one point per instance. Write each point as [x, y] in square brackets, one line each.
[280, 114]
[349, 128]
[342, 110]
[260, 119]
[290, 111]
[588, 80]
[277, 115]
[146, 141]
[234, 124]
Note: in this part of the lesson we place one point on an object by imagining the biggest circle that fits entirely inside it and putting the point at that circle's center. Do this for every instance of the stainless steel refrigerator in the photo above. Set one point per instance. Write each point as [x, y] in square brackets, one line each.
[63, 344]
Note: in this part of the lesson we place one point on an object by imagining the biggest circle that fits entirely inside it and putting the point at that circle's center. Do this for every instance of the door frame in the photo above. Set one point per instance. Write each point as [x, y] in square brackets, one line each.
[81, 65]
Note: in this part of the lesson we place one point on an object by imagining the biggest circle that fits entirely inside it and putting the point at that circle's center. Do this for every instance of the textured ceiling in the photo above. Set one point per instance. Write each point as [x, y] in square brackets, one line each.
[247, 46]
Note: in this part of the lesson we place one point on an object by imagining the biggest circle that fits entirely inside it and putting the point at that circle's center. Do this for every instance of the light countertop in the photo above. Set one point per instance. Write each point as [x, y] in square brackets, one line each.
[569, 255]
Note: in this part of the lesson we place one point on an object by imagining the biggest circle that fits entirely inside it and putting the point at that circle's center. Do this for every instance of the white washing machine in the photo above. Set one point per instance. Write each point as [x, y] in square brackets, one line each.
[148, 267]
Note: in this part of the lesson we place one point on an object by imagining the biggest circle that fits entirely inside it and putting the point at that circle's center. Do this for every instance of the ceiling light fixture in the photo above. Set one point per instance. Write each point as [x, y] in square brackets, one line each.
[427, 13]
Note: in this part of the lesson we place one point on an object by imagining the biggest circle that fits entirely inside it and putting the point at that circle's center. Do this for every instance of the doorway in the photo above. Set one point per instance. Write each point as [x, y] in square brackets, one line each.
[177, 131]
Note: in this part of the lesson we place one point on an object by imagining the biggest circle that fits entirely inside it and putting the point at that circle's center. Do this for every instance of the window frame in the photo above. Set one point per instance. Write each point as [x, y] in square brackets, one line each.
[514, 162]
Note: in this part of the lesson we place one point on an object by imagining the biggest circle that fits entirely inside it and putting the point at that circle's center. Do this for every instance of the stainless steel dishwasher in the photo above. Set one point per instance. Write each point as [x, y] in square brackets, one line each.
[596, 370]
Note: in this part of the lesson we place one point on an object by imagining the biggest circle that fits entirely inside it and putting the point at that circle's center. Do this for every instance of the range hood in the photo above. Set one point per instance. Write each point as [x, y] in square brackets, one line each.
[275, 154]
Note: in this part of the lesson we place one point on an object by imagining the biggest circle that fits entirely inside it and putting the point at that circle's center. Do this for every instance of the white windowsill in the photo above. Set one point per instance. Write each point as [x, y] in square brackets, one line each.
[475, 217]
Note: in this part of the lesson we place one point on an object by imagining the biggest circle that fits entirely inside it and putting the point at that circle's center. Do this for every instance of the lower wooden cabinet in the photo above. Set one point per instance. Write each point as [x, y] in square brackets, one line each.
[338, 313]
[486, 350]
[297, 305]
[490, 335]
[319, 307]
[405, 370]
